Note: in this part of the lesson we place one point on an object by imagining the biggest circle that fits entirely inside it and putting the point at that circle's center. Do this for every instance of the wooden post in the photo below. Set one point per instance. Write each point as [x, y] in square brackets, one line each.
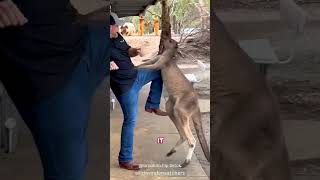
[166, 26]
[174, 24]
[204, 14]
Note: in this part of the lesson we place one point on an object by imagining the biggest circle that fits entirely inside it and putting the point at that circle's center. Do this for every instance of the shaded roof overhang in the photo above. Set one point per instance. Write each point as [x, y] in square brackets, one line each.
[125, 8]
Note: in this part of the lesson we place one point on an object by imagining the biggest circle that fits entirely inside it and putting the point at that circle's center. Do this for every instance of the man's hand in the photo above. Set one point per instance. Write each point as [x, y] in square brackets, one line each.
[113, 66]
[10, 15]
[134, 52]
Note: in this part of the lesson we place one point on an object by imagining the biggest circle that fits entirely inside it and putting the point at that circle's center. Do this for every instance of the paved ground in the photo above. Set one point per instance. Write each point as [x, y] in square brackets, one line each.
[25, 163]
[147, 151]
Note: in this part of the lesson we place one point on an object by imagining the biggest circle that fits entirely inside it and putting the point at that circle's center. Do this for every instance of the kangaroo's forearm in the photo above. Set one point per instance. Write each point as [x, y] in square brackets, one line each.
[152, 66]
[150, 61]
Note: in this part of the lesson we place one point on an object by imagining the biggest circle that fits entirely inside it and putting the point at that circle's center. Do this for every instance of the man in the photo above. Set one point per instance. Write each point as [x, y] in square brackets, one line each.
[155, 25]
[126, 82]
[141, 25]
[50, 66]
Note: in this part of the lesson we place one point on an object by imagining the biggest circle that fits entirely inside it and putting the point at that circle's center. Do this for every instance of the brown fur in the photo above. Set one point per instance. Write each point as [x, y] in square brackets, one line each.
[248, 139]
[182, 105]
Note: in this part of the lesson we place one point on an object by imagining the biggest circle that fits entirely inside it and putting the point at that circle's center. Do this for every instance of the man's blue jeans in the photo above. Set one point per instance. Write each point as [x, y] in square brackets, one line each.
[129, 106]
[58, 124]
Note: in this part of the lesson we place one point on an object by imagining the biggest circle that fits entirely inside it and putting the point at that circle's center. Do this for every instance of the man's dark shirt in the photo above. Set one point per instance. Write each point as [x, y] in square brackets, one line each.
[36, 59]
[122, 79]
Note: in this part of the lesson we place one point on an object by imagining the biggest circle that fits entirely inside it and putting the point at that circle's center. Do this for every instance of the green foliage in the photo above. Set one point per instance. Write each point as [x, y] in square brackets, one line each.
[185, 12]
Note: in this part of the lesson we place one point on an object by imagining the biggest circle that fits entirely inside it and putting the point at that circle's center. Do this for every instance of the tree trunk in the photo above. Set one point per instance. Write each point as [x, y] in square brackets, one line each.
[165, 24]
[180, 27]
[174, 25]
[204, 14]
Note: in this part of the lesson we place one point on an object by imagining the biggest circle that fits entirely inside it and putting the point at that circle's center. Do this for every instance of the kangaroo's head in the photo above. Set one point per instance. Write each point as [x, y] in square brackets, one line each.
[170, 44]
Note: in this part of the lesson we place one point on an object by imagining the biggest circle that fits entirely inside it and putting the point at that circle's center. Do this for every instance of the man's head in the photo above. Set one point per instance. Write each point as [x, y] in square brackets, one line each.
[115, 22]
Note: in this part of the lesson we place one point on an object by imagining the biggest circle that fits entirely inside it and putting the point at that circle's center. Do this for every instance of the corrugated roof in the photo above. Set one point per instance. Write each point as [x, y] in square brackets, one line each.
[125, 8]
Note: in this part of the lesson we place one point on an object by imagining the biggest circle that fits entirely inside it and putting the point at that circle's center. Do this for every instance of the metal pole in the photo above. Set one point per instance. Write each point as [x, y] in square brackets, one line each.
[2, 116]
[1, 124]
[11, 135]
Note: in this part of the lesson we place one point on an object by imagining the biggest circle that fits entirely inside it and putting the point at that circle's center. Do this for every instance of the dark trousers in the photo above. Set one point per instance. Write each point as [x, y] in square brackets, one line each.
[58, 123]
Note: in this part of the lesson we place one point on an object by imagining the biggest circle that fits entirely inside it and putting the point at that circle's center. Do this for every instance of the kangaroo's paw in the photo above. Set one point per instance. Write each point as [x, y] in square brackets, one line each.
[185, 163]
[171, 152]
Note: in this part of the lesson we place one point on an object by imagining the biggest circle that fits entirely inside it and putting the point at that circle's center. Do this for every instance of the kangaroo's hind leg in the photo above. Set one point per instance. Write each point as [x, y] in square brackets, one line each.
[169, 109]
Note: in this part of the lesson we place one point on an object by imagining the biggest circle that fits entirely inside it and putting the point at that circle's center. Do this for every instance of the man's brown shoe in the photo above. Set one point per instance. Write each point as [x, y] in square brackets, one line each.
[158, 112]
[129, 165]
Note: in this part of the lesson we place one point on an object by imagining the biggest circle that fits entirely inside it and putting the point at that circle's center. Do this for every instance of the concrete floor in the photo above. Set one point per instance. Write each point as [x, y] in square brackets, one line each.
[147, 152]
[25, 163]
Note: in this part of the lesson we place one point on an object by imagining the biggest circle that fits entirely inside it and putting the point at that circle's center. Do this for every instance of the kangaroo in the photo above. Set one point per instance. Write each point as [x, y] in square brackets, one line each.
[248, 140]
[182, 104]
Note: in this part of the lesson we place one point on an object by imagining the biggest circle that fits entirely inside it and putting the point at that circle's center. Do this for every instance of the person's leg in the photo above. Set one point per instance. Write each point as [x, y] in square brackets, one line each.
[99, 48]
[58, 124]
[153, 102]
[146, 76]
[129, 105]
